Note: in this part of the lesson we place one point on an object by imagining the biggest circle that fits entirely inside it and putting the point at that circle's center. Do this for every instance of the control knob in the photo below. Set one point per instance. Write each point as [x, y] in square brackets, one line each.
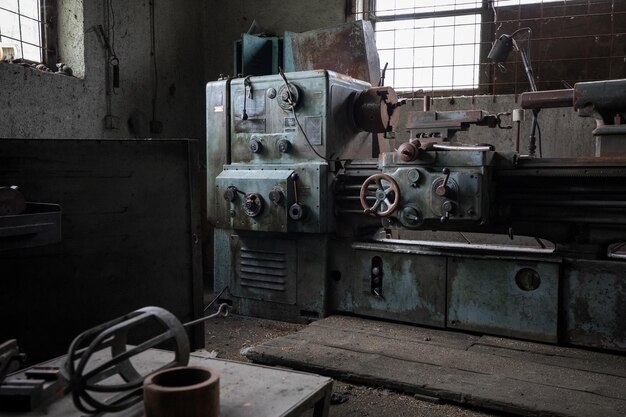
[277, 196]
[252, 204]
[230, 194]
[283, 145]
[255, 145]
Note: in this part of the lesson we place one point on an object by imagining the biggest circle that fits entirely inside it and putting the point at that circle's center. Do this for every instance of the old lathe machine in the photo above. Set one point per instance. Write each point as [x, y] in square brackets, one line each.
[311, 218]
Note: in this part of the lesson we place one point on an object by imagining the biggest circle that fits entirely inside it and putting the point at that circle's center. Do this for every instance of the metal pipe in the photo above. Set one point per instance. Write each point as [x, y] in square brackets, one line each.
[354, 187]
[426, 103]
[346, 211]
[353, 197]
[547, 99]
[462, 148]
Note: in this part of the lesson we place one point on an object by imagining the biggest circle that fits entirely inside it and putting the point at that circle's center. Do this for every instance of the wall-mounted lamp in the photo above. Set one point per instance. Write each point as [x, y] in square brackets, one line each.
[499, 53]
[503, 46]
[501, 49]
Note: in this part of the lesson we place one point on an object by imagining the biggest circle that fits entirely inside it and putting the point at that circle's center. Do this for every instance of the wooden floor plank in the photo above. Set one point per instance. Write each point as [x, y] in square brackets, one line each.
[597, 362]
[463, 360]
[465, 369]
[398, 331]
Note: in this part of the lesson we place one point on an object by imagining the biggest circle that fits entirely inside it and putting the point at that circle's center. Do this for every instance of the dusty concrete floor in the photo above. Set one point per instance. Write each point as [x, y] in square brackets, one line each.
[228, 336]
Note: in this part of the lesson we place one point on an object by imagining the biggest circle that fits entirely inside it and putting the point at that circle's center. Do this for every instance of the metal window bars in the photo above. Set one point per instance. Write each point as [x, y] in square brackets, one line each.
[441, 46]
[22, 26]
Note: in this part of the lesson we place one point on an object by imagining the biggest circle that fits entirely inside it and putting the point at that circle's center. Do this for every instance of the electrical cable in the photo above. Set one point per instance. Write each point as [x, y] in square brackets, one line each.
[112, 20]
[112, 59]
[534, 128]
[155, 71]
[293, 111]
[539, 140]
[215, 299]
[524, 29]
[525, 54]
[292, 106]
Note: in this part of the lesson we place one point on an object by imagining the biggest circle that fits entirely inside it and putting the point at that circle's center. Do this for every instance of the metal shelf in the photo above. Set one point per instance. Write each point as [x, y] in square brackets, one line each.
[39, 225]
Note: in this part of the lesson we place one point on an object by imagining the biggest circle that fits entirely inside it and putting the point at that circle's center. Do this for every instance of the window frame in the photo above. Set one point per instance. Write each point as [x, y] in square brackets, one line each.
[49, 35]
[47, 32]
[486, 12]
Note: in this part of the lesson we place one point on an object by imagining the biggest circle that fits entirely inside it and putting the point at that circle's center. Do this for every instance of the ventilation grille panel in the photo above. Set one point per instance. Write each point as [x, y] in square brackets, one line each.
[263, 269]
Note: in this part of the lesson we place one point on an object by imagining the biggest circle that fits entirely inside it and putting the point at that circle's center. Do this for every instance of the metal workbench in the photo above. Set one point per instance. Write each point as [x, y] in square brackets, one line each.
[246, 390]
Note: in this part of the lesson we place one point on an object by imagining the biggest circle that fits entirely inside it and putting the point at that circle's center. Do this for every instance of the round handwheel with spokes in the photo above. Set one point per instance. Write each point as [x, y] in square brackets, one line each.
[385, 192]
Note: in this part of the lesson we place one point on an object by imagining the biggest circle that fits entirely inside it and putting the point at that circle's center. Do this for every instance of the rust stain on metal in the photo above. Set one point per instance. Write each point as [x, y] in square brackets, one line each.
[548, 99]
[348, 49]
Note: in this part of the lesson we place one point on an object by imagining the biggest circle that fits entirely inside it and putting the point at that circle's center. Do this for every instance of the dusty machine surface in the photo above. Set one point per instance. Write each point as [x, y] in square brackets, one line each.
[311, 220]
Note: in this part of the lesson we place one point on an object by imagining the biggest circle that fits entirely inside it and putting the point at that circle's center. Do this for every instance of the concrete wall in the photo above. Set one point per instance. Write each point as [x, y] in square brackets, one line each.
[35, 104]
[564, 133]
[194, 45]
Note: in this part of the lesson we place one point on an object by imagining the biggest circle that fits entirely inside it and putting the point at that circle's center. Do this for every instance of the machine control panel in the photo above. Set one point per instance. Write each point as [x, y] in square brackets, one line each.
[271, 146]
[449, 195]
[272, 198]
[421, 197]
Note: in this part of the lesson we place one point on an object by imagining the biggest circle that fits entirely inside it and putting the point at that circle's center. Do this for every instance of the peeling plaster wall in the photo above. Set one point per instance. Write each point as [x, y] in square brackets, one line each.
[34, 104]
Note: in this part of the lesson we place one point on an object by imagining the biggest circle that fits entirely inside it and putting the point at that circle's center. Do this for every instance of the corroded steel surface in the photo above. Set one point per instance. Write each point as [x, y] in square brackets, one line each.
[375, 110]
[348, 49]
[547, 99]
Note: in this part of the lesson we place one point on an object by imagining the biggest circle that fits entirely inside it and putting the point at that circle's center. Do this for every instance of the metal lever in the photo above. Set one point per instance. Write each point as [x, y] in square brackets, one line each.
[248, 94]
[381, 81]
[447, 207]
[443, 189]
[297, 211]
[378, 294]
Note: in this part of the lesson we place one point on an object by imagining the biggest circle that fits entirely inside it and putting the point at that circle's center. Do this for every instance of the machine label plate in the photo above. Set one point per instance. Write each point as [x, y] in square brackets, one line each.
[290, 124]
[313, 129]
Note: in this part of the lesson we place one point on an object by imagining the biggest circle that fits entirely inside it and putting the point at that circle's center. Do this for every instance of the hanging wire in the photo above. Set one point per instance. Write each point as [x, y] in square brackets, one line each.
[215, 299]
[292, 106]
[155, 70]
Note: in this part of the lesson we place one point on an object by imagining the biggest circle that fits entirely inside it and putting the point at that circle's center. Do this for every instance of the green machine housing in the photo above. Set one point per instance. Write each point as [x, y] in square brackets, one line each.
[310, 219]
[274, 145]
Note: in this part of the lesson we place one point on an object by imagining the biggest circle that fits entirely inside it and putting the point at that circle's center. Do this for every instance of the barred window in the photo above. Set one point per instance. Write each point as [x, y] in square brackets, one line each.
[443, 45]
[429, 44]
[22, 26]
